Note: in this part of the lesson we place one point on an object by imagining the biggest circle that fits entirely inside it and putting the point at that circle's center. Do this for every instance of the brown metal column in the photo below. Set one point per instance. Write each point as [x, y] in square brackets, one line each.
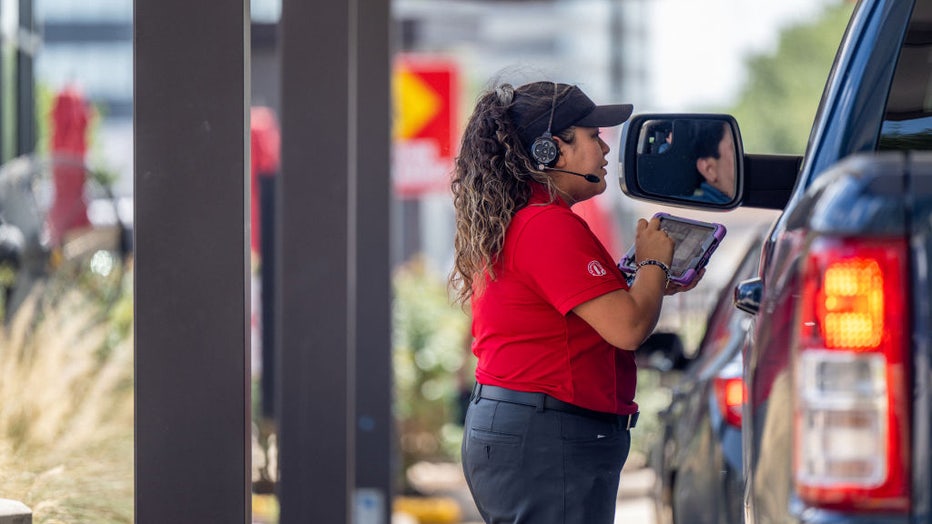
[335, 379]
[316, 377]
[26, 80]
[192, 261]
[374, 427]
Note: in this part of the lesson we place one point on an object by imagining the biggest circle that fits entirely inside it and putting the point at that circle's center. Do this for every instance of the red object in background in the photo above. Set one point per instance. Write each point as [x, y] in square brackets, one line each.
[69, 118]
[601, 223]
[265, 146]
[440, 77]
[425, 130]
[729, 392]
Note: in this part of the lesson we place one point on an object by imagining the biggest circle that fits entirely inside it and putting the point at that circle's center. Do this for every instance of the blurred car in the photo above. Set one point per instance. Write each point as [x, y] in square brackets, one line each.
[697, 456]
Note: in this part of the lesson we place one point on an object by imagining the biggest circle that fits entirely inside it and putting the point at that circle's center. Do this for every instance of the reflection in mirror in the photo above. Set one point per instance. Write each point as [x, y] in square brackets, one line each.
[693, 159]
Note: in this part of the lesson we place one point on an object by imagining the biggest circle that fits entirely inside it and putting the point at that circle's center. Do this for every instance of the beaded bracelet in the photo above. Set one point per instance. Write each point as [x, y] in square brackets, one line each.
[652, 262]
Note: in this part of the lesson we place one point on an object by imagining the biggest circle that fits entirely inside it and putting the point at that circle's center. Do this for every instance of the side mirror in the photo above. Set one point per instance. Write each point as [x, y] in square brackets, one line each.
[662, 352]
[690, 160]
[748, 295]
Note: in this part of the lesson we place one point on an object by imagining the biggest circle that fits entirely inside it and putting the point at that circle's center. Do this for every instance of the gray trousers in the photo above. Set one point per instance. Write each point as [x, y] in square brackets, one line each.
[530, 466]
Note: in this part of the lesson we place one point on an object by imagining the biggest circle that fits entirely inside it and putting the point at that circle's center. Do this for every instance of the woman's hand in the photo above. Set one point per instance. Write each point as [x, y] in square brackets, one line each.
[651, 242]
[674, 288]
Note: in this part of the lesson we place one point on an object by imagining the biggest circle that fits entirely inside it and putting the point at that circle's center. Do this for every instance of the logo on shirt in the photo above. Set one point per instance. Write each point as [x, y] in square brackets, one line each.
[596, 269]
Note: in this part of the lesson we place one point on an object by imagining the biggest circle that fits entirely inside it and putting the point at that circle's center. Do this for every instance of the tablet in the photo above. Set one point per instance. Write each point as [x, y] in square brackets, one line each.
[694, 240]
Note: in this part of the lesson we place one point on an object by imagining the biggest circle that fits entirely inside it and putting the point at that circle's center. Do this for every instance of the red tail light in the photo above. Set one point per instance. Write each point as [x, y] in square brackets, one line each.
[730, 395]
[852, 408]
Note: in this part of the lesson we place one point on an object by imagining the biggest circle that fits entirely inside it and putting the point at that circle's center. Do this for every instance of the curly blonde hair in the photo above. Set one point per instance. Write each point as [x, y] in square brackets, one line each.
[490, 181]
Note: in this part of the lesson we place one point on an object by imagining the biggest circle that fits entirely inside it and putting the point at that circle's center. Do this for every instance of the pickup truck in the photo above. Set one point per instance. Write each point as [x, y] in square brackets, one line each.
[837, 416]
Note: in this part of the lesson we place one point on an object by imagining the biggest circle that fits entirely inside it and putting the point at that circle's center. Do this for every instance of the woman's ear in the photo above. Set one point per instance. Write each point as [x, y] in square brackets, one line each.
[561, 148]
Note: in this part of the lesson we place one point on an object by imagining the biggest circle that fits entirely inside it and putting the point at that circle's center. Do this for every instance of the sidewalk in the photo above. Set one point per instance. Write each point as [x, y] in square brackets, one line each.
[445, 483]
[634, 502]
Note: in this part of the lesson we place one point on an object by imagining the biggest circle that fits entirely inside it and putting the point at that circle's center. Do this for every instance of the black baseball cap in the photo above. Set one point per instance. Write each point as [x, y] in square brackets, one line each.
[570, 108]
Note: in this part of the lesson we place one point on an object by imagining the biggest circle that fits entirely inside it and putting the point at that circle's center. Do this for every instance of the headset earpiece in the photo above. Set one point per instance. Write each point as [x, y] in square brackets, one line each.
[544, 150]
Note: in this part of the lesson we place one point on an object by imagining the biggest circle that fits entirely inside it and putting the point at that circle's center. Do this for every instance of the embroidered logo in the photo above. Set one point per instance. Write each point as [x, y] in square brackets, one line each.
[596, 269]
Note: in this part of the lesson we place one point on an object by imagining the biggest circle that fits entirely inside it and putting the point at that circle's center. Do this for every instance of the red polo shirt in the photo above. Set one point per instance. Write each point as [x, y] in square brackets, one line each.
[525, 335]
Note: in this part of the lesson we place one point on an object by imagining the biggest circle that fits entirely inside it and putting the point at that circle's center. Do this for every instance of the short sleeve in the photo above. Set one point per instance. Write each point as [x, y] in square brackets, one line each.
[563, 260]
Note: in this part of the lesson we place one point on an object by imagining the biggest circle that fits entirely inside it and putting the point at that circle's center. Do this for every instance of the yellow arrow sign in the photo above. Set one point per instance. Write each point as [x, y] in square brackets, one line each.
[416, 104]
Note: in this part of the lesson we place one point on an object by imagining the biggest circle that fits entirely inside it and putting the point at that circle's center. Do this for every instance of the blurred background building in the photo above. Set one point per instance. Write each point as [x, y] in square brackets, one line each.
[661, 55]
[88, 45]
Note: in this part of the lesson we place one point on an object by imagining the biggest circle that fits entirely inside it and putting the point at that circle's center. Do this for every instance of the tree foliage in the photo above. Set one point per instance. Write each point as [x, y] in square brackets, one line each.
[777, 106]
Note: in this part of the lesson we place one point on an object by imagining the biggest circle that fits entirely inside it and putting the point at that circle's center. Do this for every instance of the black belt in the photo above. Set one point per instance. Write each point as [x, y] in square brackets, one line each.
[543, 401]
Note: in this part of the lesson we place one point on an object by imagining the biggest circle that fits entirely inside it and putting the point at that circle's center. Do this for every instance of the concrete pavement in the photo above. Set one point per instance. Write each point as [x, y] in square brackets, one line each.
[634, 504]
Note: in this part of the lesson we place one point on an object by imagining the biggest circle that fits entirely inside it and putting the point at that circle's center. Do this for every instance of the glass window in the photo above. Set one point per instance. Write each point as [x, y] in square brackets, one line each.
[83, 11]
[908, 118]
[265, 11]
[719, 326]
[103, 70]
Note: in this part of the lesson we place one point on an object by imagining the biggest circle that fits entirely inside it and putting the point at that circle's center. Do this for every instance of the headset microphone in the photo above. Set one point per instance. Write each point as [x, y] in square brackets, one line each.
[588, 176]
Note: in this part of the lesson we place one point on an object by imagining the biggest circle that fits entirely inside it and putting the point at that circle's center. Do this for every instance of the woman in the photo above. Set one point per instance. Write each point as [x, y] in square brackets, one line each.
[554, 321]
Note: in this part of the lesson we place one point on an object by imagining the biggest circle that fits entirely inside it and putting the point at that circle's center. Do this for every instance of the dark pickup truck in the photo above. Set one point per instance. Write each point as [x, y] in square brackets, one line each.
[837, 419]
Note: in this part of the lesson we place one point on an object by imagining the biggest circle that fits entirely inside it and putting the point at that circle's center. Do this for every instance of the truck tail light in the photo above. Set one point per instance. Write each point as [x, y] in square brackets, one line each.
[852, 408]
[729, 392]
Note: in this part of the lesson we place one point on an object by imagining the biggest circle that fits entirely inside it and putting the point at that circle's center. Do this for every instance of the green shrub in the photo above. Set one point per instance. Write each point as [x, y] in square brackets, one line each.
[66, 406]
[432, 364]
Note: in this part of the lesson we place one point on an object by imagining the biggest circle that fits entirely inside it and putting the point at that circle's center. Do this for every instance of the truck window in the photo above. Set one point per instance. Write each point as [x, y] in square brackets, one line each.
[907, 121]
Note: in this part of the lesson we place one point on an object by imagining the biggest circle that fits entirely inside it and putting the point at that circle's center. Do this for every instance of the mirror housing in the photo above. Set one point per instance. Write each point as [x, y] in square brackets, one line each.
[688, 160]
[648, 171]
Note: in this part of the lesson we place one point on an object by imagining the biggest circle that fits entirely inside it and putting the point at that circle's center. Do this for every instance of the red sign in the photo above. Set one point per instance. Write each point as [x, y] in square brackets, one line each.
[425, 130]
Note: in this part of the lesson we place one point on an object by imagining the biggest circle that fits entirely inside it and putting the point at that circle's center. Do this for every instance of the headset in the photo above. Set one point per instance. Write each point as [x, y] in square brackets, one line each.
[544, 150]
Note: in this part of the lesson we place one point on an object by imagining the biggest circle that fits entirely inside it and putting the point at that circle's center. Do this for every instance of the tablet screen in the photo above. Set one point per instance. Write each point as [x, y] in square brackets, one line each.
[694, 240]
[691, 241]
